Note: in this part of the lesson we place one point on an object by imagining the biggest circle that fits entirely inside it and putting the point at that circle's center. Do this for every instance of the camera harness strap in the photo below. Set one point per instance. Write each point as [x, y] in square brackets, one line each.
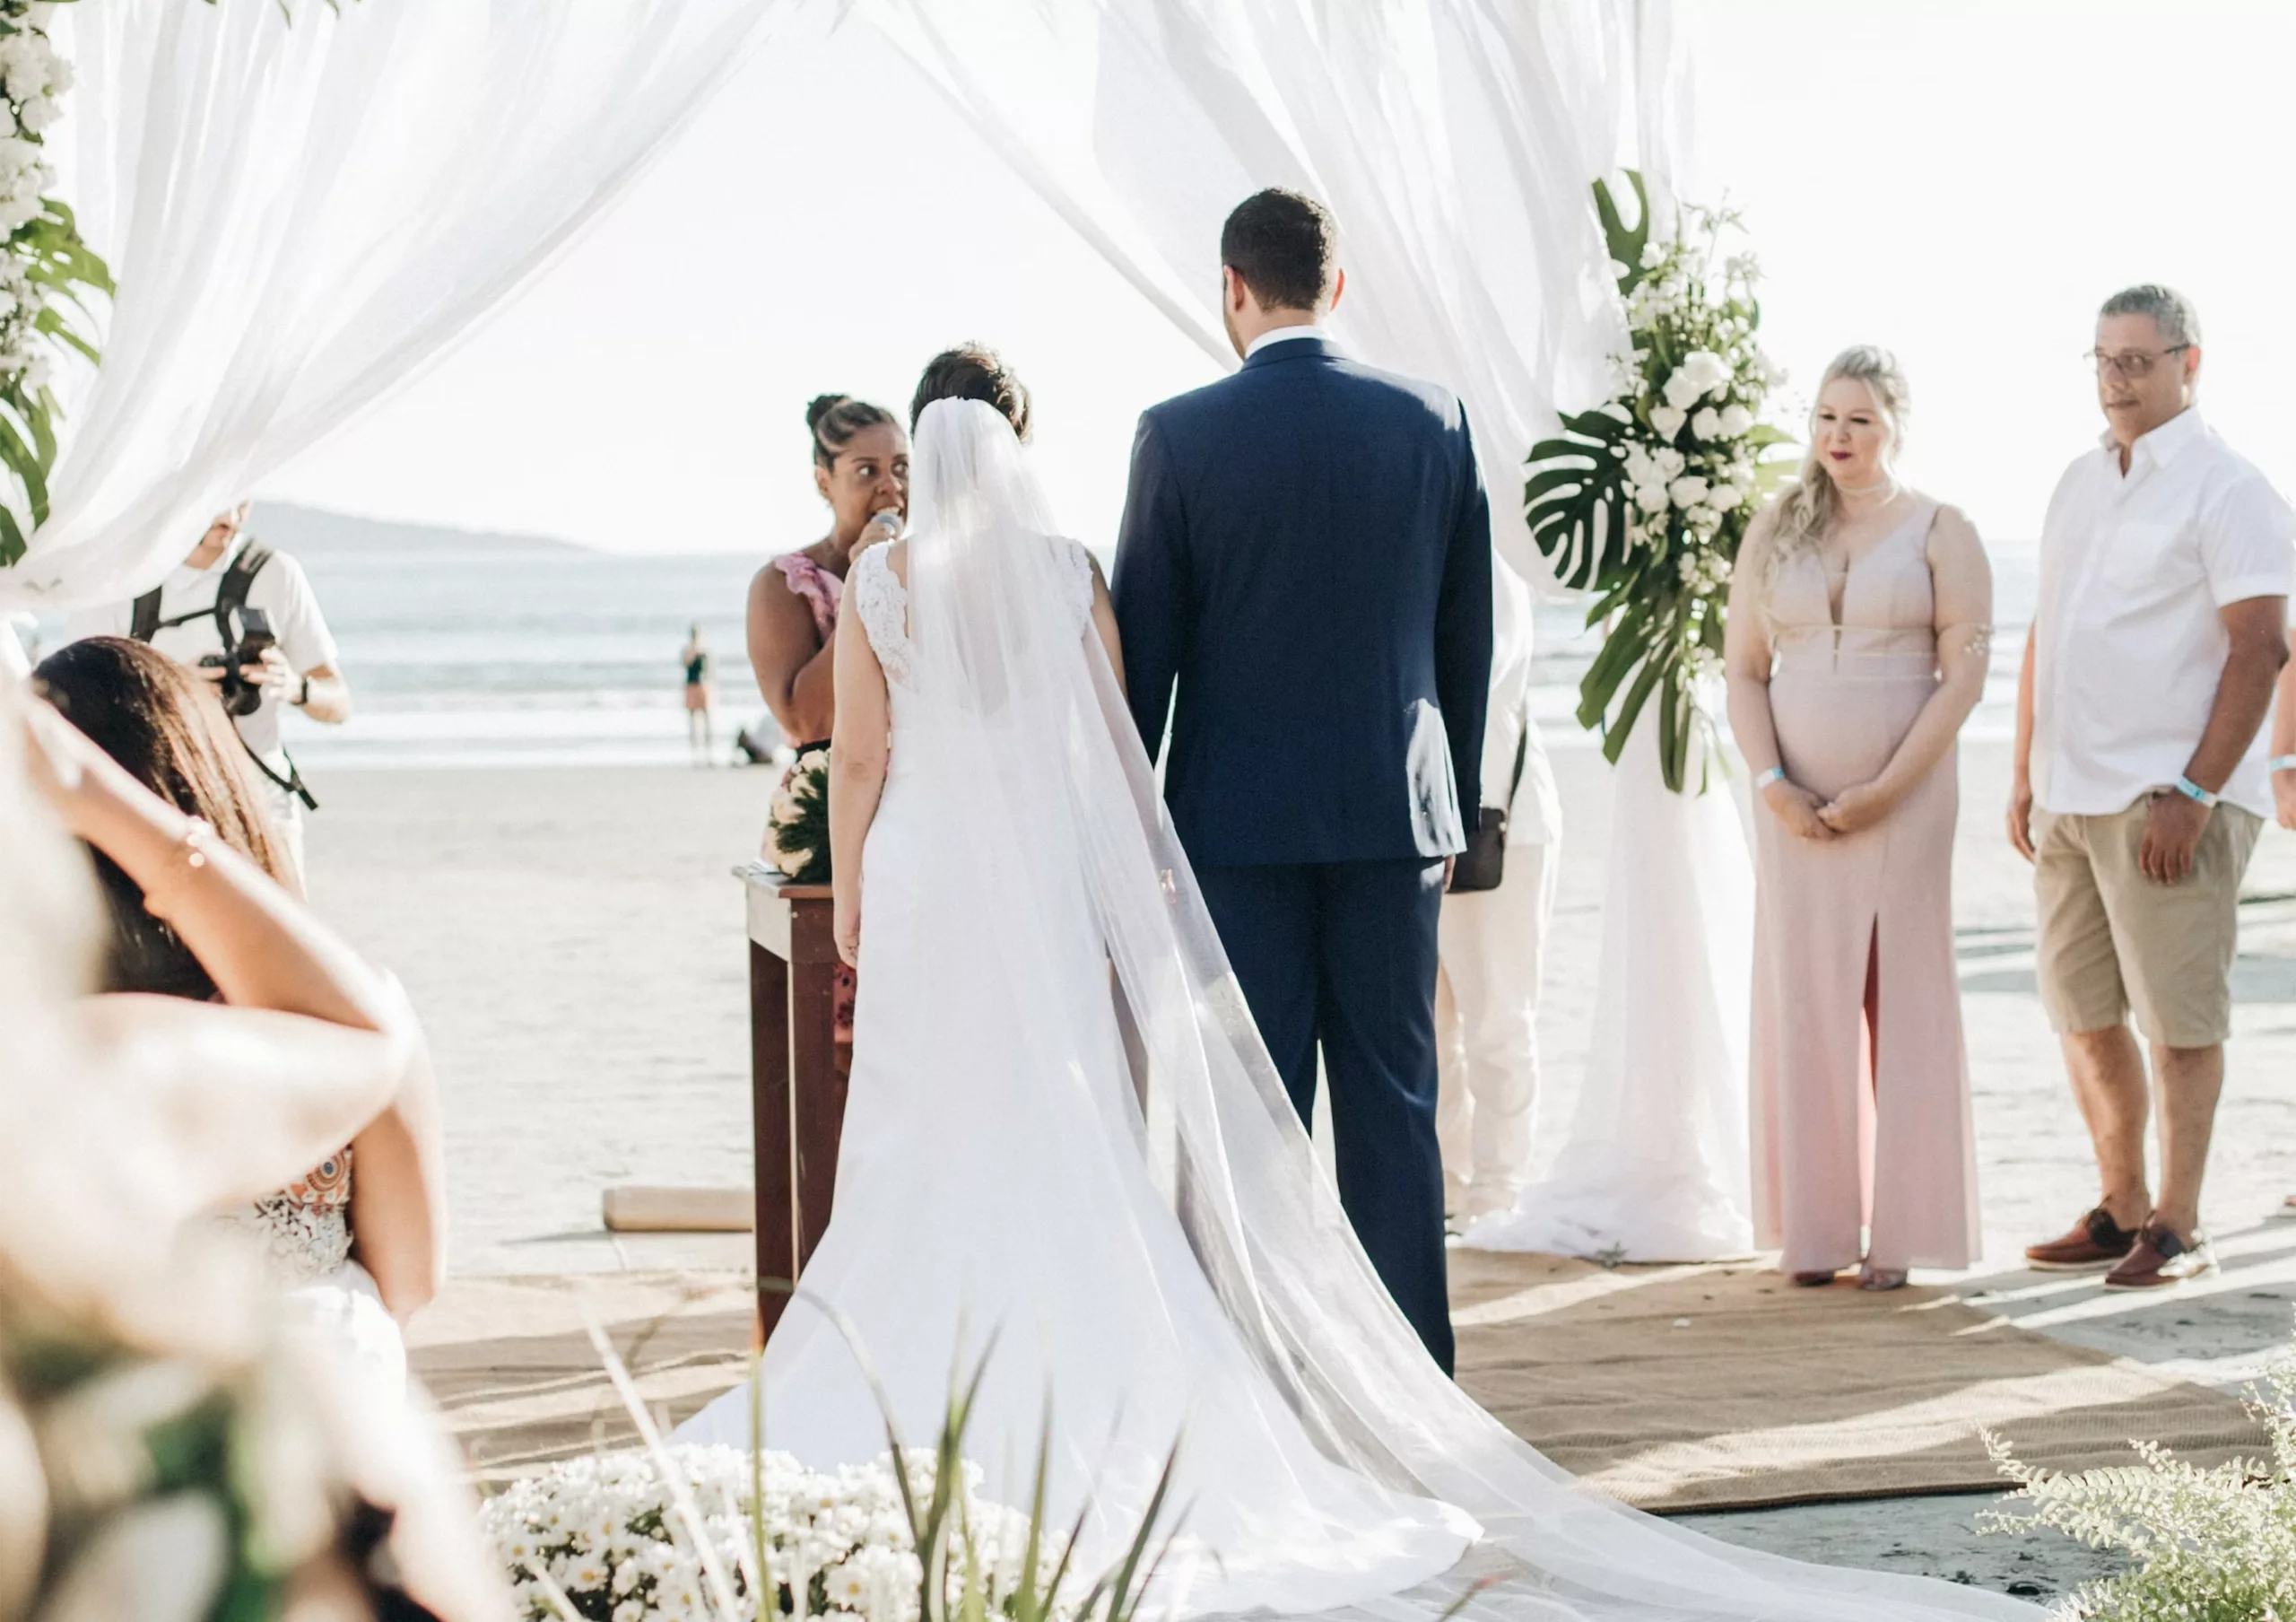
[230, 598]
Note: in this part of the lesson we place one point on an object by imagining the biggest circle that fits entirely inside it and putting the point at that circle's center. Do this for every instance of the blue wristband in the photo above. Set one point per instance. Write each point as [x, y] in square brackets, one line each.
[1776, 774]
[2192, 790]
[2281, 762]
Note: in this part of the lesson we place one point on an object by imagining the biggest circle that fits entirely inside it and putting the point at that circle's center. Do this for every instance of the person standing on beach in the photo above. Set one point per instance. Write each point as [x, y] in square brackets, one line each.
[696, 661]
[861, 468]
[192, 616]
[2141, 779]
[1861, 623]
[1492, 938]
[1305, 559]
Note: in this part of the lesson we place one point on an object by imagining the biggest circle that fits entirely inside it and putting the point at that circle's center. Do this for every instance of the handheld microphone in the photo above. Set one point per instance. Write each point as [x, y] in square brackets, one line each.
[888, 520]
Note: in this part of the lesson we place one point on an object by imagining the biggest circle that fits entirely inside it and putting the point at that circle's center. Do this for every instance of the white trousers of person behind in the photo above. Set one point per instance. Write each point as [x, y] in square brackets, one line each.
[1492, 947]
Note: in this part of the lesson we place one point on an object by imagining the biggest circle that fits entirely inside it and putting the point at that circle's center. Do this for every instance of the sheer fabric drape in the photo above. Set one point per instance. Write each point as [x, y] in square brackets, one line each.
[1454, 139]
[300, 215]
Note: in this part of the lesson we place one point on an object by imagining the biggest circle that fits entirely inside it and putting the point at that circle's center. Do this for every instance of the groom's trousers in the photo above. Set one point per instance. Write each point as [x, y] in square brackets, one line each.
[1342, 955]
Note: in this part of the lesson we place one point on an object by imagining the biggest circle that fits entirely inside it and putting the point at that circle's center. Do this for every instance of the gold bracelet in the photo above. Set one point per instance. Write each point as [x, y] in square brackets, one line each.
[187, 856]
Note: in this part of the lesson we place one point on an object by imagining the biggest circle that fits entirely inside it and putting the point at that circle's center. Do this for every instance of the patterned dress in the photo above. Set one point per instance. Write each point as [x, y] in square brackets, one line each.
[823, 593]
[305, 1228]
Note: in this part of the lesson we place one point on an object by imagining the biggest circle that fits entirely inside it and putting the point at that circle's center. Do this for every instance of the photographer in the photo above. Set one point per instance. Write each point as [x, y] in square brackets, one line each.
[234, 598]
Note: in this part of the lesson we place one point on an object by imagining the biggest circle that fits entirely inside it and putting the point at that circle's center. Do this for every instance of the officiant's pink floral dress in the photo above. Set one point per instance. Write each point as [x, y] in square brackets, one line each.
[1833, 1140]
[823, 593]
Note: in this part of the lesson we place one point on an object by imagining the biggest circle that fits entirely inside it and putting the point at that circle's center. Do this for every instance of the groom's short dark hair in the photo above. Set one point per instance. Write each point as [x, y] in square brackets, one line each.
[1285, 246]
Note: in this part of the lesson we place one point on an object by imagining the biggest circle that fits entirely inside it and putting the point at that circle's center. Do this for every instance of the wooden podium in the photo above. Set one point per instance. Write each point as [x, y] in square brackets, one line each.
[797, 1091]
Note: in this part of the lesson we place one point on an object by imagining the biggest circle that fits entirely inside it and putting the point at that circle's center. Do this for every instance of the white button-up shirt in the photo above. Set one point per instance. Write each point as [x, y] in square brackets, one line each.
[1282, 335]
[2129, 647]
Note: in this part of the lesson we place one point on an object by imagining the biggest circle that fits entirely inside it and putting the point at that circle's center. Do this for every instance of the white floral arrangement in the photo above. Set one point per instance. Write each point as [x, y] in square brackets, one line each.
[48, 275]
[1643, 501]
[604, 1532]
[796, 821]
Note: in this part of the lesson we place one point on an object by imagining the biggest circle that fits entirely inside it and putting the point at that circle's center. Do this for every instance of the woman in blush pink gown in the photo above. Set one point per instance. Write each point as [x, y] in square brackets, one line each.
[1859, 632]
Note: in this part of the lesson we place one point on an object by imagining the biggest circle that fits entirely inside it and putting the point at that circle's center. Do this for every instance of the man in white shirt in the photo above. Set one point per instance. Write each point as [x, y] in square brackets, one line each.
[1491, 943]
[2165, 566]
[298, 669]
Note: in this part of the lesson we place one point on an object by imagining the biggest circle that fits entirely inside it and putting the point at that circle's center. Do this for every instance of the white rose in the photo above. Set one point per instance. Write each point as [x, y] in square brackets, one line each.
[1640, 468]
[39, 113]
[1666, 419]
[1687, 490]
[1708, 423]
[1724, 497]
[1682, 390]
[1670, 461]
[1704, 372]
[1651, 497]
[1735, 420]
[1700, 516]
[1653, 255]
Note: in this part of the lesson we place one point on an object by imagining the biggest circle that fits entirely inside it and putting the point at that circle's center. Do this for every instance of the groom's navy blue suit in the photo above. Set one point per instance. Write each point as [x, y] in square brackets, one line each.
[1306, 553]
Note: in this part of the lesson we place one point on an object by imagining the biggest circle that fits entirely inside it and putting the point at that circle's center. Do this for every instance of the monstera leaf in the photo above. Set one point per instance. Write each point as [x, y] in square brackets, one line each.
[1576, 501]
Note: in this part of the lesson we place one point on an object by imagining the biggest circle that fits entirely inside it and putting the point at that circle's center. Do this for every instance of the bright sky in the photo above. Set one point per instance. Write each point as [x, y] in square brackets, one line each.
[1963, 181]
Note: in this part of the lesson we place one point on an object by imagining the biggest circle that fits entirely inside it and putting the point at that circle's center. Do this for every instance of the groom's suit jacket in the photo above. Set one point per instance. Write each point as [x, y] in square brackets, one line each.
[1306, 554]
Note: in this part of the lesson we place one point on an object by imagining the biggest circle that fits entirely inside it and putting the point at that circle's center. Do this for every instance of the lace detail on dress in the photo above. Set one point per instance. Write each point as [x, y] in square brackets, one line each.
[882, 603]
[1079, 564]
[305, 1228]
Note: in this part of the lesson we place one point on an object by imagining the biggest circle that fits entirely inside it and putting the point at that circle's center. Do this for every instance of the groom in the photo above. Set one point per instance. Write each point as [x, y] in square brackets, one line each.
[1306, 552]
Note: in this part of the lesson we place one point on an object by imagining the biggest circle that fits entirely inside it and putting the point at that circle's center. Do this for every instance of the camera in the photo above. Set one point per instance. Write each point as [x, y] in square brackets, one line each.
[241, 696]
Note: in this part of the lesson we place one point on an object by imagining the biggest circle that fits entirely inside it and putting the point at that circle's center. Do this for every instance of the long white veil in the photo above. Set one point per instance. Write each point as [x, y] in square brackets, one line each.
[1025, 716]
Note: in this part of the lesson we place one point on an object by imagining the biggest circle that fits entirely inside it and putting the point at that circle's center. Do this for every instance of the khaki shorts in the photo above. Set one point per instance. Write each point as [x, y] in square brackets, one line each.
[2112, 940]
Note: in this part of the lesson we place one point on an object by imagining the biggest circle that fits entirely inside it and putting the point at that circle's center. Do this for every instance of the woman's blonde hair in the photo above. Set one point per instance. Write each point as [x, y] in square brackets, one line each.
[1813, 502]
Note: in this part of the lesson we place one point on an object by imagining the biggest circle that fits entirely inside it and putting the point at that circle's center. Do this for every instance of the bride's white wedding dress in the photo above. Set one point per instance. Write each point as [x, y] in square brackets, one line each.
[1035, 953]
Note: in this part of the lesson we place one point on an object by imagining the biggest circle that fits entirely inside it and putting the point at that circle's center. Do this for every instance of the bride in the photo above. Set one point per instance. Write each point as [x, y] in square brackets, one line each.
[1036, 960]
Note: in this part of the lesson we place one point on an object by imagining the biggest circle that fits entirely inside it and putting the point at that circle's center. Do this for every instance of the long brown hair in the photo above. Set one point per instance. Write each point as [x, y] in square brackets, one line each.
[167, 728]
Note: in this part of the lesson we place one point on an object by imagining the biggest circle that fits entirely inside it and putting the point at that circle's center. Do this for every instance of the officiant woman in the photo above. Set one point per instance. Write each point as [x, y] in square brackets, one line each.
[1860, 625]
[861, 468]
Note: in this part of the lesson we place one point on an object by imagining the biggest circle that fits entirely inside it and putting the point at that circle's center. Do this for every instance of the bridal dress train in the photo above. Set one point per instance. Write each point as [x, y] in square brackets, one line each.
[1035, 961]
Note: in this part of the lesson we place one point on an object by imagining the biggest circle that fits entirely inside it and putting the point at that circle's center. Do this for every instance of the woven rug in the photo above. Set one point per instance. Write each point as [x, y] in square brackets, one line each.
[1707, 1387]
[1728, 1387]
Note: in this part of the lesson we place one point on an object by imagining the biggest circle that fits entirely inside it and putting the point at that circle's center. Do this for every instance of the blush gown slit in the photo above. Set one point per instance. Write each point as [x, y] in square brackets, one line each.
[1858, 1130]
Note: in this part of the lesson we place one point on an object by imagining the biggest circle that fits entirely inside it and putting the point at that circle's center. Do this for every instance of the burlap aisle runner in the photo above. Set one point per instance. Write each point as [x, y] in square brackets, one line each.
[1706, 1387]
[512, 1370]
[1725, 1386]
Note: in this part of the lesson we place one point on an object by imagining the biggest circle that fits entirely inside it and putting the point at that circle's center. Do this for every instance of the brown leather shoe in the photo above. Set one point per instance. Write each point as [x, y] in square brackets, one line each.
[2096, 1242]
[2160, 1259]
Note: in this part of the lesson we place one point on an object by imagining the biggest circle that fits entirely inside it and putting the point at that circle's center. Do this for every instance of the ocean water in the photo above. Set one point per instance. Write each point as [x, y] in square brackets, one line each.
[477, 655]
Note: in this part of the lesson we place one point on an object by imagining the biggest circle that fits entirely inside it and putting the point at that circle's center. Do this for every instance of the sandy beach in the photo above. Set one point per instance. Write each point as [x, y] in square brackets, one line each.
[574, 941]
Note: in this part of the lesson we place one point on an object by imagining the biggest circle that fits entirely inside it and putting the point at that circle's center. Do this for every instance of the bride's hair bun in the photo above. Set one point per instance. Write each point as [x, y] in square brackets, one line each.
[835, 418]
[973, 371]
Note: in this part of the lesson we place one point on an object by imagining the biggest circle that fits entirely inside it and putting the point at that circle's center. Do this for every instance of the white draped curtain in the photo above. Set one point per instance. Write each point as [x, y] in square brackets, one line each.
[1454, 140]
[300, 214]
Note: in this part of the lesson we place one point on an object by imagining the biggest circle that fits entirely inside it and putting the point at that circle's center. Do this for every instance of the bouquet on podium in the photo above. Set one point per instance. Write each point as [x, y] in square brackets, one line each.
[796, 823]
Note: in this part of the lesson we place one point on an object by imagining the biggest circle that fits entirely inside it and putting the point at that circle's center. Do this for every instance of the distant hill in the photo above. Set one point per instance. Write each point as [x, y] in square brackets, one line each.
[311, 531]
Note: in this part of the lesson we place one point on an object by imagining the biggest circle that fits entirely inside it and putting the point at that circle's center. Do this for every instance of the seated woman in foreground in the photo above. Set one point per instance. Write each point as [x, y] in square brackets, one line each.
[359, 1254]
[267, 1477]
